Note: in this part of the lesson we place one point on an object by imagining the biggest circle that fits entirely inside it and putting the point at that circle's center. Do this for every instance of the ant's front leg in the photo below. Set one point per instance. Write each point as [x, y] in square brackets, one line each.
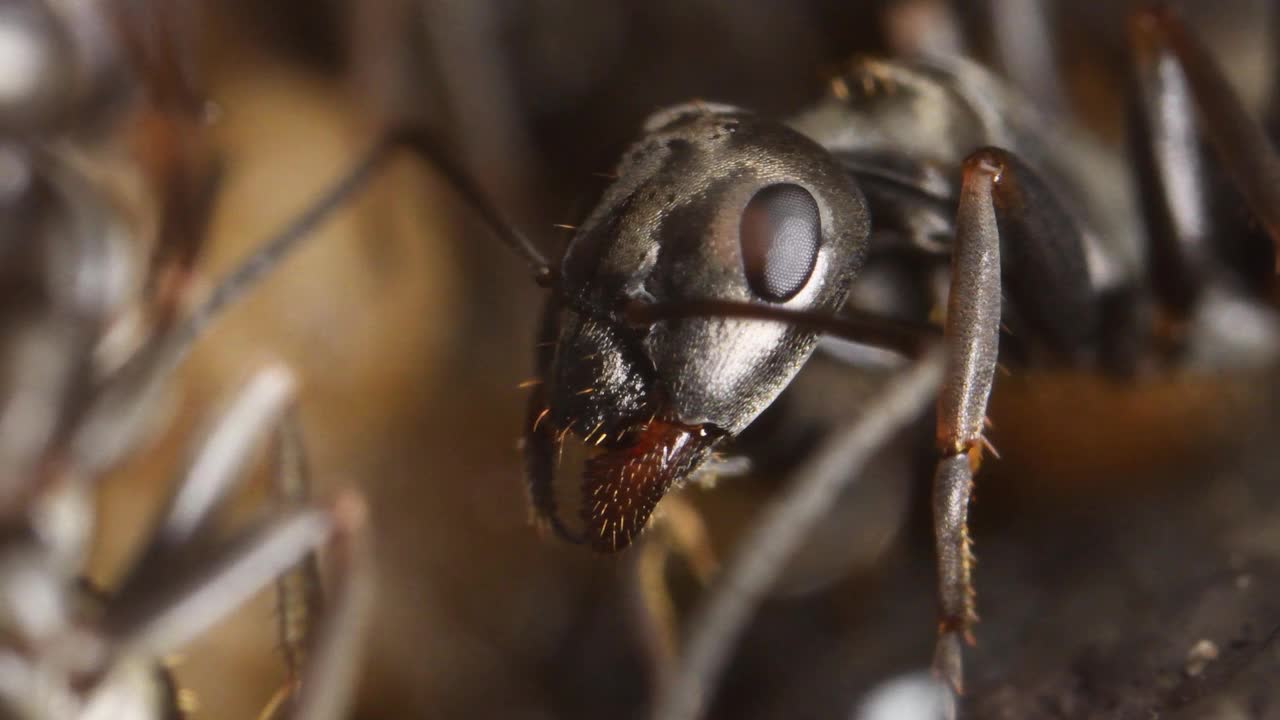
[1014, 241]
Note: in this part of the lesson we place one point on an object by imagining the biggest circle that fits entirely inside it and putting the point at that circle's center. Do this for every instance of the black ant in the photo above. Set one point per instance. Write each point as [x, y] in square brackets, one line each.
[699, 285]
[79, 389]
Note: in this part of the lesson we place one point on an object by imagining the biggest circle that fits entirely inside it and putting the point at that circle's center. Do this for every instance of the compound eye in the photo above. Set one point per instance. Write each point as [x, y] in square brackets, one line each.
[780, 233]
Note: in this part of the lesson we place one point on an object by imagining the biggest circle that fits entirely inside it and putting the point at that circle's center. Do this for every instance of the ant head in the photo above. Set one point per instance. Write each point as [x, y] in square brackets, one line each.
[713, 203]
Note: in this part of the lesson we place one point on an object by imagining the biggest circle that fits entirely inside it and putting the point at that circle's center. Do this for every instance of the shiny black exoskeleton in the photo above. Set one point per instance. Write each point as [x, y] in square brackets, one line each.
[714, 203]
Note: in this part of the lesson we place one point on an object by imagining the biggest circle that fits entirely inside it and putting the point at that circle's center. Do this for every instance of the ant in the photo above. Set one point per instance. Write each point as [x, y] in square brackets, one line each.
[698, 287]
[81, 380]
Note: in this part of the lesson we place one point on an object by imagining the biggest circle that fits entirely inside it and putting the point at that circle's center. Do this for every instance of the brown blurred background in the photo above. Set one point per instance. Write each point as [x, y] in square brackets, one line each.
[411, 329]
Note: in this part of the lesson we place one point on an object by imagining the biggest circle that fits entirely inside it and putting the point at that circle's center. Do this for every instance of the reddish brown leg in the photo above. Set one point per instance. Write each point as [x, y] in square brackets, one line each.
[972, 339]
[1016, 245]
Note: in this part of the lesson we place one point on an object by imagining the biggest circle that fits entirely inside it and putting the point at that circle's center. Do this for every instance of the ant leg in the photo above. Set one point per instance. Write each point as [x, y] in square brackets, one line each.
[1014, 239]
[1177, 182]
[182, 583]
[1057, 314]
[1174, 73]
[193, 594]
[336, 645]
[319, 633]
[215, 467]
[190, 598]
[299, 595]
[1208, 260]
[971, 338]
[781, 527]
